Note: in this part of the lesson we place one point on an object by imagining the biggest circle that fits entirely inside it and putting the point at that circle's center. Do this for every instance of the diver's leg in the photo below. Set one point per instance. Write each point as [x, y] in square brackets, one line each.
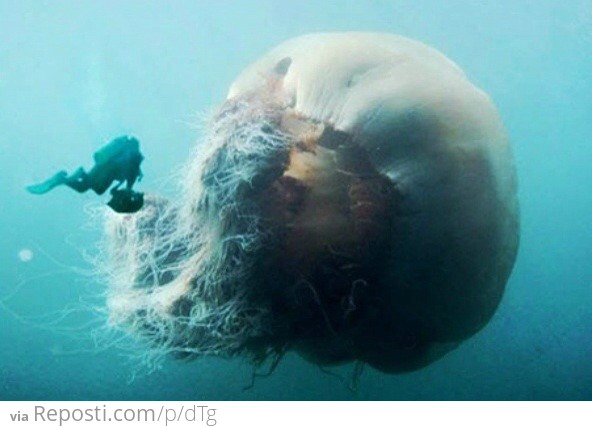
[102, 183]
[78, 181]
[43, 187]
[101, 177]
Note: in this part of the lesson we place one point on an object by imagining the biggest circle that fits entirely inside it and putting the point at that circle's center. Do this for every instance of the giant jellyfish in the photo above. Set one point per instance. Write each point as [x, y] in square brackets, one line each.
[353, 199]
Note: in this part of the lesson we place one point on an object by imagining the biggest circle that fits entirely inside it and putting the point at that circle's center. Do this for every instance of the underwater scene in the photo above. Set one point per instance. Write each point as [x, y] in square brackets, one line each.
[281, 200]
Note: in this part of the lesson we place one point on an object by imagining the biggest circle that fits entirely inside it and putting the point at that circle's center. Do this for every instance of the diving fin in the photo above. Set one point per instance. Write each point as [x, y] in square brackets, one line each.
[47, 185]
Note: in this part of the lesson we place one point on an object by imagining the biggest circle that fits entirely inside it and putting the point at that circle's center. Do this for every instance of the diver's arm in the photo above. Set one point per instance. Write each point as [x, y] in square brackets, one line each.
[116, 186]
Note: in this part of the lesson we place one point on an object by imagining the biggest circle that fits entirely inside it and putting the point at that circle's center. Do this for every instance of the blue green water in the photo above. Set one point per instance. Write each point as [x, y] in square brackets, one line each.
[74, 74]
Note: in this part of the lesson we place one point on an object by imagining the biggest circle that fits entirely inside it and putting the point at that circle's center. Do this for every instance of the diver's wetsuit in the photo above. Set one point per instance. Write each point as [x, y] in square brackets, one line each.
[100, 177]
[119, 160]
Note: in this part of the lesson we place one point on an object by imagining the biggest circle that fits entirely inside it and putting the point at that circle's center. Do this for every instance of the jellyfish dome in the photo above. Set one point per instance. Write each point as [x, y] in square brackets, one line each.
[353, 199]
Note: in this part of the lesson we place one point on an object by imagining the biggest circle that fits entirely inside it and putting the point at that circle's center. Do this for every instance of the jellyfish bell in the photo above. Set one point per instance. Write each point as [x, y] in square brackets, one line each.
[354, 198]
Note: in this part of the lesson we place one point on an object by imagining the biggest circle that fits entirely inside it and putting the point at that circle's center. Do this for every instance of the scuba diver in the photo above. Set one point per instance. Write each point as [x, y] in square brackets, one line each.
[119, 160]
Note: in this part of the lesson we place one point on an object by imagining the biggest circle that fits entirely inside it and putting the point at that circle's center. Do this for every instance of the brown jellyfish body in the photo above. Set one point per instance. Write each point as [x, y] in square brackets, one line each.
[353, 199]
